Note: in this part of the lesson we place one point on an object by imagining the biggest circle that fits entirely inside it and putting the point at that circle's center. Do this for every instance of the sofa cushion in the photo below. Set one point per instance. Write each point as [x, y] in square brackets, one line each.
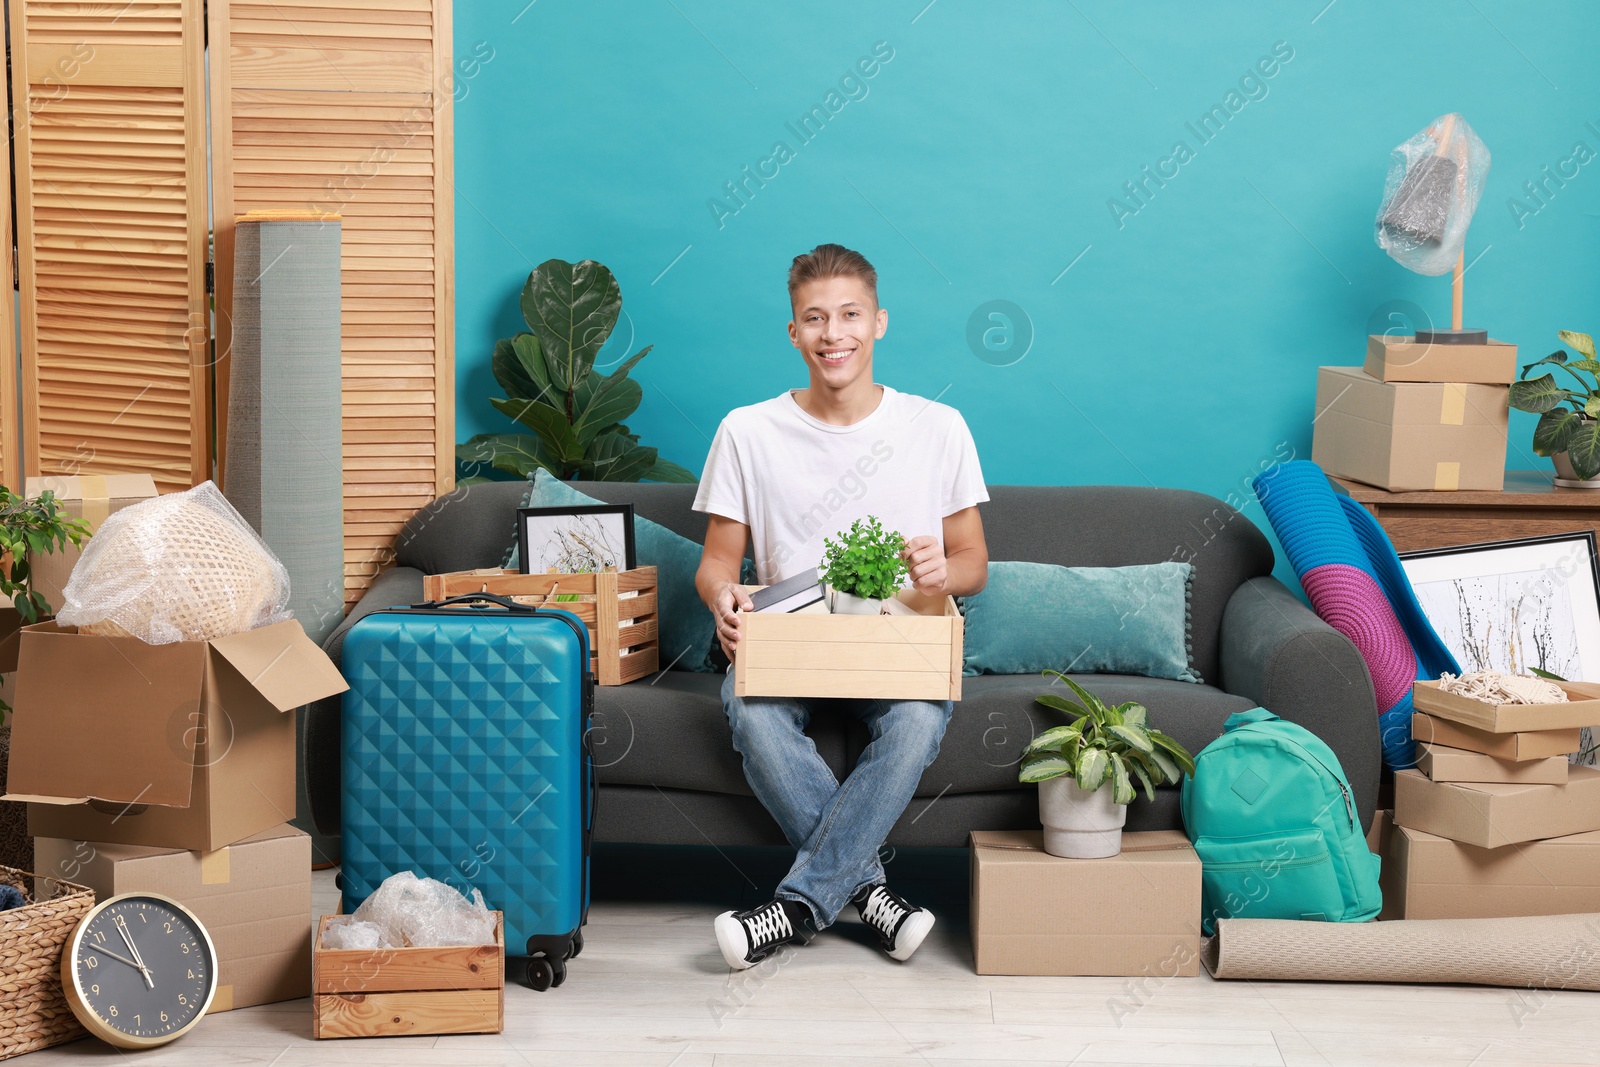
[997, 716]
[673, 733]
[1117, 620]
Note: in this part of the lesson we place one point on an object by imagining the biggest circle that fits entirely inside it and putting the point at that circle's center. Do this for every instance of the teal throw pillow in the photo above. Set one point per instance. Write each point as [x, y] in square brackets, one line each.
[685, 623]
[1109, 620]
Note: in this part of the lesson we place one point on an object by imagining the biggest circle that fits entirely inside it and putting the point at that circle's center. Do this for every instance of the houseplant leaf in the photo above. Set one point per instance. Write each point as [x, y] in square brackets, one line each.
[583, 393]
[518, 365]
[664, 470]
[514, 453]
[1134, 713]
[1555, 429]
[1175, 751]
[1051, 738]
[1163, 763]
[1538, 395]
[1582, 342]
[1042, 767]
[549, 423]
[1121, 784]
[1134, 737]
[1583, 449]
[1558, 356]
[1091, 770]
[1095, 705]
[613, 401]
[612, 457]
[1137, 767]
[571, 308]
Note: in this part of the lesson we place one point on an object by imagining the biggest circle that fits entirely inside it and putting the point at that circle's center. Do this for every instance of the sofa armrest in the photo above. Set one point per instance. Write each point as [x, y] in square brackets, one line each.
[1278, 653]
[321, 754]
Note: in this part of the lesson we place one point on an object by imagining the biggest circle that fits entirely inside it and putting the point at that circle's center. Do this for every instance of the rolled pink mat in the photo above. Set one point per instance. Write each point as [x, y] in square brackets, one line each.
[1537, 952]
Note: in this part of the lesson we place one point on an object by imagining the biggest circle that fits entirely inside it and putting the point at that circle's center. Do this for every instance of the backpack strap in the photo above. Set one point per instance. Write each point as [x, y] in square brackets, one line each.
[1244, 718]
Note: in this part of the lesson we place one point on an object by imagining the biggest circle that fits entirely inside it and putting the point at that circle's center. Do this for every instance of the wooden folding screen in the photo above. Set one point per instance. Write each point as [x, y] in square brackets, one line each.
[109, 119]
[345, 107]
[10, 436]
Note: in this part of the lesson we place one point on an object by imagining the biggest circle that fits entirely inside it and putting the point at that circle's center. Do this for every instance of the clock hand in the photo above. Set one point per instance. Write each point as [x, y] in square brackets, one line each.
[122, 928]
[114, 955]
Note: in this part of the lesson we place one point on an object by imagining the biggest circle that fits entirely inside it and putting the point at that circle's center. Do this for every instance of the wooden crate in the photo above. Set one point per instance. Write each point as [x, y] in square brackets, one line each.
[624, 632]
[896, 657]
[395, 992]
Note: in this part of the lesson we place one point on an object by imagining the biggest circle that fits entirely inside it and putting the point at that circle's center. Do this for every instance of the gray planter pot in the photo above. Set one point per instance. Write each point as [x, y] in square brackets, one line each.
[1080, 824]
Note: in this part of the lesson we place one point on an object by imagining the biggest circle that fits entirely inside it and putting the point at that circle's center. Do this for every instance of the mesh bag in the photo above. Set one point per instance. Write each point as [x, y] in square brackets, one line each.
[179, 567]
[1435, 180]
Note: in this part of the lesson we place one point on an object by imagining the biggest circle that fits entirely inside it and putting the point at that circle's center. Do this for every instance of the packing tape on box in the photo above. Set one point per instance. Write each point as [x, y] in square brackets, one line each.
[215, 867]
[1447, 476]
[222, 1000]
[96, 499]
[1453, 405]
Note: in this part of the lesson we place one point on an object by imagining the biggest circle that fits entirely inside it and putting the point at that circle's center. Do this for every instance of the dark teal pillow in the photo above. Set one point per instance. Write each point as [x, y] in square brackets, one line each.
[1108, 620]
[686, 625]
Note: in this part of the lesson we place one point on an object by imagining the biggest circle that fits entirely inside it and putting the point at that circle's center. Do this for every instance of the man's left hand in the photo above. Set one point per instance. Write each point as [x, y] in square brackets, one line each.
[925, 559]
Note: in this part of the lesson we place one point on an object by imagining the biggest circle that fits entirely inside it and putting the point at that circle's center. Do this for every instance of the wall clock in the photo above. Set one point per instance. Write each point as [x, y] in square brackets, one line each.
[139, 970]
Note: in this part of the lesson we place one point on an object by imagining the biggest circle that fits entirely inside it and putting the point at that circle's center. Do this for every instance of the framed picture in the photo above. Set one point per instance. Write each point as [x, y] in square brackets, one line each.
[1532, 602]
[577, 540]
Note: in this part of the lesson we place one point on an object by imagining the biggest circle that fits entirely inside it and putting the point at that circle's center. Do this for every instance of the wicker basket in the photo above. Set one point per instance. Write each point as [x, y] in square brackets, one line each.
[33, 1009]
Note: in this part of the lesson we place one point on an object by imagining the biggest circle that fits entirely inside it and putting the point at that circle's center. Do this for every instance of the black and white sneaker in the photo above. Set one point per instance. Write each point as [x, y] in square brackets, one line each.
[748, 937]
[900, 926]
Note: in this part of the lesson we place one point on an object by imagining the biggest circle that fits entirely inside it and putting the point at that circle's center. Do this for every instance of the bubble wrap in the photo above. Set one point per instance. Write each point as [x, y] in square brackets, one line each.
[345, 931]
[407, 911]
[1435, 180]
[178, 567]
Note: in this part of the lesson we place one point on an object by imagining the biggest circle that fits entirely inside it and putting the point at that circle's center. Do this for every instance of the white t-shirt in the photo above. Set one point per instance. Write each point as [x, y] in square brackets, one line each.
[794, 479]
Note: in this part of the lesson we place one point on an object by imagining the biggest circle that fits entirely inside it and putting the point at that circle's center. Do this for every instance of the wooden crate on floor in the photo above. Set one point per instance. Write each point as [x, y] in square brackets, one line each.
[398, 992]
[618, 607]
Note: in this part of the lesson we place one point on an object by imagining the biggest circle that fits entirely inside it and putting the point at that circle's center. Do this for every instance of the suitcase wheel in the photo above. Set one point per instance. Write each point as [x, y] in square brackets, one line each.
[577, 945]
[541, 974]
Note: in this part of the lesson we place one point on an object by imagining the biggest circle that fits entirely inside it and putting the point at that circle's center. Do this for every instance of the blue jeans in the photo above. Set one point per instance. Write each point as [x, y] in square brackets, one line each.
[836, 828]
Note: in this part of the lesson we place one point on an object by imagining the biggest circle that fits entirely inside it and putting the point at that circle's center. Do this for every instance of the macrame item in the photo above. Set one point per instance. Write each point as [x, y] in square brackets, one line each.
[1496, 687]
[179, 567]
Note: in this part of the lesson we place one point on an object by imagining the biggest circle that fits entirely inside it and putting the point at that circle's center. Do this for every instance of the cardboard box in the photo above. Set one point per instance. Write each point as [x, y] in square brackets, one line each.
[1410, 435]
[1380, 838]
[1436, 878]
[396, 992]
[254, 898]
[188, 745]
[1581, 709]
[90, 497]
[1402, 359]
[894, 657]
[1137, 913]
[1526, 745]
[1443, 764]
[1493, 815]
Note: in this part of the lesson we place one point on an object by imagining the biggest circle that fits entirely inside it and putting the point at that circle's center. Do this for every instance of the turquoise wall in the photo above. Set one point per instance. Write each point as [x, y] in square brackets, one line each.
[1174, 341]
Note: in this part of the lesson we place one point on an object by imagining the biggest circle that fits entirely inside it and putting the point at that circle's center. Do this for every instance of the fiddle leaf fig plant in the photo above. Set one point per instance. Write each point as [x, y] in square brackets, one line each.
[865, 561]
[1569, 415]
[574, 412]
[1104, 743]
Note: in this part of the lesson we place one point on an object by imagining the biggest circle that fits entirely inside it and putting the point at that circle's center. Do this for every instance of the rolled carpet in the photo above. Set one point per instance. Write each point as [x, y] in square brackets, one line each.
[1537, 952]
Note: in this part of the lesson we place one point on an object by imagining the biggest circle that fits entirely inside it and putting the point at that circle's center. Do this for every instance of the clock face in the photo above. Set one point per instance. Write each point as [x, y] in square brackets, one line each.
[142, 970]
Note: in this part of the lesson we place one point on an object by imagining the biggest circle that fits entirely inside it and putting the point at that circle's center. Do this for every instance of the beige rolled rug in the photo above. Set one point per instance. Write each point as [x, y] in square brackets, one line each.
[1540, 952]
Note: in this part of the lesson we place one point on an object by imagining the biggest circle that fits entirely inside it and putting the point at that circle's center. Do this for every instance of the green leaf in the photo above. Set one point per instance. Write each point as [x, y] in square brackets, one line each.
[1178, 753]
[1582, 342]
[1546, 675]
[1051, 738]
[1555, 429]
[667, 471]
[1539, 395]
[1164, 765]
[1558, 356]
[1040, 768]
[1583, 449]
[1121, 785]
[613, 401]
[1092, 766]
[550, 424]
[583, 393]
[1590, 365]
[1137, 767]
[1096, 706]
[514, 453]
[1133, 736]
[572, 309]
[518, 365]
[1134, 713]
[614, 458]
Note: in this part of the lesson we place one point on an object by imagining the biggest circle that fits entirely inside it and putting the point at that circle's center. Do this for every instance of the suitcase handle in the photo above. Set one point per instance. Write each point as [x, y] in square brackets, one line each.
[479, 599]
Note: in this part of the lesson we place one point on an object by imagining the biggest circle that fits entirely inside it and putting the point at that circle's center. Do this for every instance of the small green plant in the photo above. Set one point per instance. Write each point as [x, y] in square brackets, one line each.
[37, 526]
[1104, 742]
[1569, 418]
[865, 561]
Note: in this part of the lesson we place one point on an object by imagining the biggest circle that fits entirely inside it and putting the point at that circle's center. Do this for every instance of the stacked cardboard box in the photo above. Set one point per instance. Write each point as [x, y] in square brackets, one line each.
[170, 769]
[1494, 820]
[1417, 416]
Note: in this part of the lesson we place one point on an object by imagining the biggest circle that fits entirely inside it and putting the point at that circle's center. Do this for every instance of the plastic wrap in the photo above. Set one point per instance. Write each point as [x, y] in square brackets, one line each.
[178, 567]
[407, 911]
[1435, 180]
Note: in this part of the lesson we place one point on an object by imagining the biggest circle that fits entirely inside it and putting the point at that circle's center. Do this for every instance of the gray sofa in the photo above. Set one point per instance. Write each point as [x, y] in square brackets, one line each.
[667, 769]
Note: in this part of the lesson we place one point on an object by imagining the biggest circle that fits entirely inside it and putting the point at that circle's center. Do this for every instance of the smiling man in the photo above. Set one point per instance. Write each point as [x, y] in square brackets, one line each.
[781, 476]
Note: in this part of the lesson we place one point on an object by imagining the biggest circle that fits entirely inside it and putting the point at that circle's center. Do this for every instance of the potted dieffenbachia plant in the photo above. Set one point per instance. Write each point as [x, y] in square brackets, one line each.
[1569, 411]
[863, 568]
[1087, 770]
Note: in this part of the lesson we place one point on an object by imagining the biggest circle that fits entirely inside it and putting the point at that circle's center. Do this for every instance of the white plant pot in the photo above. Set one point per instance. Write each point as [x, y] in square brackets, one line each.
[1079, 824]
[848, 604]
[1568, 478]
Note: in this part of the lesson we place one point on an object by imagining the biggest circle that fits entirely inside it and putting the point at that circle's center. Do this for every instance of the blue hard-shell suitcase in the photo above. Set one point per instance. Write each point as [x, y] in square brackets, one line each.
[466, 759]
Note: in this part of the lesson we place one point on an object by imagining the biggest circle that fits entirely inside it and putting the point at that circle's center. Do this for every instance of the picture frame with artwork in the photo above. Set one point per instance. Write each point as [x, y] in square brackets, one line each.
[575, 540]
[1515, 605]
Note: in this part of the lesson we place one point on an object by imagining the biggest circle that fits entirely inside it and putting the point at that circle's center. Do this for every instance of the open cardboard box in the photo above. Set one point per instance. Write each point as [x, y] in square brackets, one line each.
[188, 745]
[891, 657]
[1582, 709]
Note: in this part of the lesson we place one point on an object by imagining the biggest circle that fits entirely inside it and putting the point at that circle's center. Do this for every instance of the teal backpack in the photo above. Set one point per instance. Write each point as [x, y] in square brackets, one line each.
[1272, 816]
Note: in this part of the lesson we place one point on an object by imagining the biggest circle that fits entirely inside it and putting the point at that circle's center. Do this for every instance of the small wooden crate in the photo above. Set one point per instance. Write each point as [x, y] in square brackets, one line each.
[624, 631]
[396, 992]
[893, 657]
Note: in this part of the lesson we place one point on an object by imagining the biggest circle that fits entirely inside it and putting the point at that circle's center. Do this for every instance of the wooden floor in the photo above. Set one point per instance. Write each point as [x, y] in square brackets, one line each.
[651, 990]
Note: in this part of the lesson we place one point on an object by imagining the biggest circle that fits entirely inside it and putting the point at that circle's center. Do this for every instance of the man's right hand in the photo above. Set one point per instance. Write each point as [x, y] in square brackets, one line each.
[731, 596]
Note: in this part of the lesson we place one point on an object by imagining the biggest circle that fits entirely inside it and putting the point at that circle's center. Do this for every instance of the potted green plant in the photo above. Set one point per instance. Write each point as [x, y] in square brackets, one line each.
[1086, 770]
[1568, 431]
[863, 568]
[36, 526]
